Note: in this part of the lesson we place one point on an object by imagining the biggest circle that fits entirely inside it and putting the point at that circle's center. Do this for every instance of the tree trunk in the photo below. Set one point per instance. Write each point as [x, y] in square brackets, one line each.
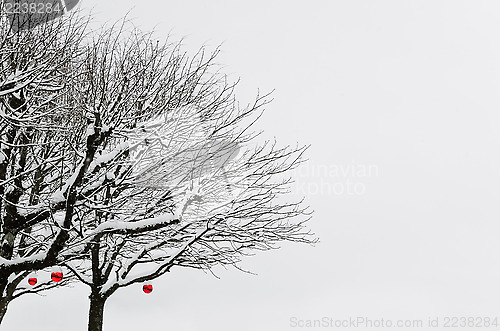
[96, 311]
[3, 309]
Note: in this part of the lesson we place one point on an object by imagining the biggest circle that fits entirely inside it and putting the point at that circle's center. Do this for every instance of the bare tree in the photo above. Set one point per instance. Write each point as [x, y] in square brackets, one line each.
[39, 133]
[121, 157]
[176, 182]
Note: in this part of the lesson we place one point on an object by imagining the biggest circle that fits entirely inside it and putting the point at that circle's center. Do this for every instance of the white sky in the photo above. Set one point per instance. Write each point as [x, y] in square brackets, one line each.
[409, 87]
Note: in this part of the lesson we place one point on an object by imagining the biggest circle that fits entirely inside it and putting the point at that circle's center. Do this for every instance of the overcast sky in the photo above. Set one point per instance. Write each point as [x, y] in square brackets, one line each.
[400, 102]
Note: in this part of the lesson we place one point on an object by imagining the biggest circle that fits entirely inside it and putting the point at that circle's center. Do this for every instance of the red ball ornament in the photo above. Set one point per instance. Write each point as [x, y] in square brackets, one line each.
[32, 281]
[147, 289]
[57, 276]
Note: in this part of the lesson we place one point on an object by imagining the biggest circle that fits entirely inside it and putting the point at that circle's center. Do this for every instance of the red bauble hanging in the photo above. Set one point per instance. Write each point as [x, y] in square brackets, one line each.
[57, 276]
[32, 281]
[147, 289]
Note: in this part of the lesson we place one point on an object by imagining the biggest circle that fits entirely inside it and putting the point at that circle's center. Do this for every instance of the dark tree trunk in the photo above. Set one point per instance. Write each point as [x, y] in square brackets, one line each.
[7, 292]
[96, 311]
[3, 309]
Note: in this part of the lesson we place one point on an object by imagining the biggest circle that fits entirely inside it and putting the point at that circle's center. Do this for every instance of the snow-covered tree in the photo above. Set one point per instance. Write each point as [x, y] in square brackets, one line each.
[179, 180]
[40, 134]
[122, 157]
